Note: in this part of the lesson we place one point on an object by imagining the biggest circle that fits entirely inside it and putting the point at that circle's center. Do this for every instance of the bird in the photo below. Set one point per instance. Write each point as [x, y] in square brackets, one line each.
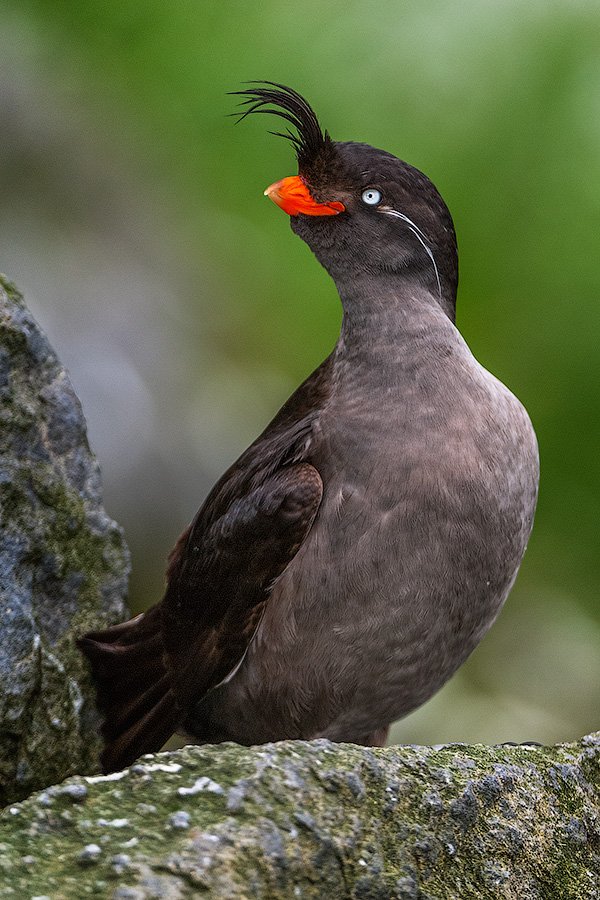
[351, 559]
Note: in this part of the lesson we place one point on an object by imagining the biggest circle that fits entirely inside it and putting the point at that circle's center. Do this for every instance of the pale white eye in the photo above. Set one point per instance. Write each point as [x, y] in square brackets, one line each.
[371, 196]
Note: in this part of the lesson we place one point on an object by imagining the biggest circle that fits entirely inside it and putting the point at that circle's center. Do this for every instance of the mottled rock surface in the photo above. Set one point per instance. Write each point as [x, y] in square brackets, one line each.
[317, 820]
[63, 562]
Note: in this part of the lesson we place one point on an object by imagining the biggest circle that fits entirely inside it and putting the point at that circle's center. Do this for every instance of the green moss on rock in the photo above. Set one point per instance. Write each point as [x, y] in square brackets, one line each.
[63, 562]
[314, 820]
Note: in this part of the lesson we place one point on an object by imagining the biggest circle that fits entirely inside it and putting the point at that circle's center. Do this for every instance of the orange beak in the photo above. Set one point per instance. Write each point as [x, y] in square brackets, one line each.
[292, 195]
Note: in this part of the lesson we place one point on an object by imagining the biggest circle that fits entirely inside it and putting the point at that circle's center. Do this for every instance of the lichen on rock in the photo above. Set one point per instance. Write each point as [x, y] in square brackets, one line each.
[63, 562]
[315, 819]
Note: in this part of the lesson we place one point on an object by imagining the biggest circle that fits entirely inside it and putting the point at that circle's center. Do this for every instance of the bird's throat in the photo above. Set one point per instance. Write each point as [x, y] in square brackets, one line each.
[389, 332]
[380, 313]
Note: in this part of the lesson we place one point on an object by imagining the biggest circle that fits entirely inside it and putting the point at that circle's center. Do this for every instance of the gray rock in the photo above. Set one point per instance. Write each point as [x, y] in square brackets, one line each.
[90, 855]
[316, 821]
[63, 562]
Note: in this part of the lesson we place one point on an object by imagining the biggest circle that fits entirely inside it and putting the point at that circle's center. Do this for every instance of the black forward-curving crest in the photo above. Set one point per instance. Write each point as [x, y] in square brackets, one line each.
[279, 100]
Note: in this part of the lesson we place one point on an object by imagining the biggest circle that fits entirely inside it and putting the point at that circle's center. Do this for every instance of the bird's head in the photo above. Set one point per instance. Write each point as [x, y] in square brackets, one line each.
[359, 209]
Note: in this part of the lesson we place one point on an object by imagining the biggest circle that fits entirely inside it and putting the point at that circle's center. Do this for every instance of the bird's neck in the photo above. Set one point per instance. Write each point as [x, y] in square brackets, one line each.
[388, 319]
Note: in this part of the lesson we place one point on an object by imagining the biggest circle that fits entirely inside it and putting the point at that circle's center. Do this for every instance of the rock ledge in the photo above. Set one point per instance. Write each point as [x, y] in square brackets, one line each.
[317, 820]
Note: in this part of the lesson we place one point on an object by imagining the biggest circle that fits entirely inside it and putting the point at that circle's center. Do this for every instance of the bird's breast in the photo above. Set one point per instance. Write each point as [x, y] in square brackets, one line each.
[426, 512]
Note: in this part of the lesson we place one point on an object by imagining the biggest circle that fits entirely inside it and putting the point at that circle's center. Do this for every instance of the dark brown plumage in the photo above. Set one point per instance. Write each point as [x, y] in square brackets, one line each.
[350, 560]
[311, 143]
[150, 670]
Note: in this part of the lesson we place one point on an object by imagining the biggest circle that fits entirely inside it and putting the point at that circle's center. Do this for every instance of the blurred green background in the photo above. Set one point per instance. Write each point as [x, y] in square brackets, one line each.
[132, 215]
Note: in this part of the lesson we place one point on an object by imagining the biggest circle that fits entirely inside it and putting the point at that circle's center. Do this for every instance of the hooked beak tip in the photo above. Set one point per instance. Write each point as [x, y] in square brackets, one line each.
[293, 196]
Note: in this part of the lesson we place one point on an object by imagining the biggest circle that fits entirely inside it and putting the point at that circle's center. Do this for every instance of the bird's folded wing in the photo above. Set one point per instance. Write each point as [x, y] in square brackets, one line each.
[151, 670]
[223, 574]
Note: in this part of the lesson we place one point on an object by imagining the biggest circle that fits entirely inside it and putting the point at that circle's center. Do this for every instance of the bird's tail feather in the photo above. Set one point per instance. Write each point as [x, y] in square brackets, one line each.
[134, 690]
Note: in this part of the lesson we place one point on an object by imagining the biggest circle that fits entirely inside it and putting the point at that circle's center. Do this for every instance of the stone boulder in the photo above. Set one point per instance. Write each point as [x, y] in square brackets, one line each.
[63, 562]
